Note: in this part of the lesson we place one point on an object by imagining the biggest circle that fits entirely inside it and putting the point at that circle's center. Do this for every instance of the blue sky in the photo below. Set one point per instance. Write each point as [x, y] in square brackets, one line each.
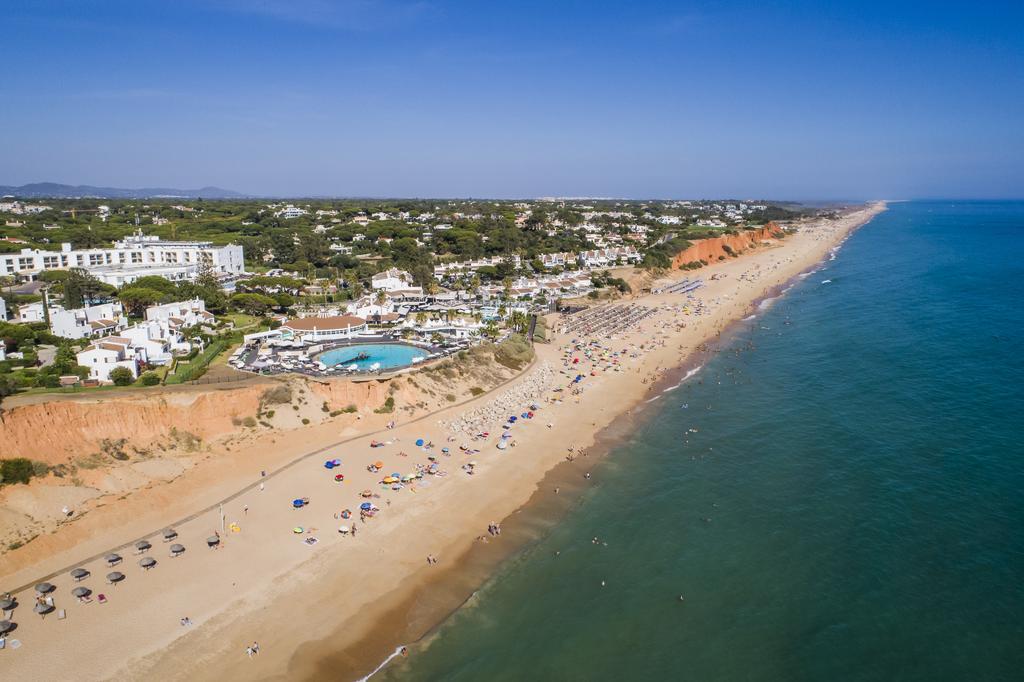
[801, 100]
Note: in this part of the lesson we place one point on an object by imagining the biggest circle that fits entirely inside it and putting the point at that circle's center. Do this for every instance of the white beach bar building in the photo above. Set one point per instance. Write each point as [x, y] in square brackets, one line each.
[129, 259]
[320, 329]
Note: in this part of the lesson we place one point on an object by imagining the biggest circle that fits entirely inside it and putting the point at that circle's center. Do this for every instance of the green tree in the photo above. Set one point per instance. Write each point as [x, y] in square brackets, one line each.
[253, 304]
[81, 288]
[137, 299]
[122, 376]
[156, 283]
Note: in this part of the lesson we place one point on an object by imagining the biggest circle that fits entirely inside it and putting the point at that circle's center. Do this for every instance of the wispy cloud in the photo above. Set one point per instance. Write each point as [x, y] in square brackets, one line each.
[678, 24]
[353, 15]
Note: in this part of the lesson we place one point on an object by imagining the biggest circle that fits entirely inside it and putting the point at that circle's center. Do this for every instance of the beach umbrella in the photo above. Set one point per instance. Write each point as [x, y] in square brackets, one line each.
[177, 549]
[366, 506]
[297, 503]
[6, 626]
[147, 562]
[367, 493]
[112, 559]
[419, 442]
[379, 464]
[142, 545]
[42, 608]
[44, 588]
[7, 604]
[81, 592]
[213, 541]
[115, 577]
[79, 573]
[170, 534]
[329, 464]
[298, 530]
[343, 529]
[339, 477]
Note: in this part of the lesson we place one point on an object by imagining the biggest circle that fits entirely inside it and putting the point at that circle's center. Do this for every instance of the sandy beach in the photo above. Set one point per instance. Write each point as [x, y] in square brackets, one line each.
[287, 579]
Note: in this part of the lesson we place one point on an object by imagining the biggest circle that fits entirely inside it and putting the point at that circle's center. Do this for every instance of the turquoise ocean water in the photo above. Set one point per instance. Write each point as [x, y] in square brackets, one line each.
[850, 508]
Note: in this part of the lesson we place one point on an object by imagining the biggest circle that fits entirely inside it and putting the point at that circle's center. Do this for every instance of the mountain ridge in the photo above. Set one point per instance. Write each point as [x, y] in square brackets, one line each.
[56, 190]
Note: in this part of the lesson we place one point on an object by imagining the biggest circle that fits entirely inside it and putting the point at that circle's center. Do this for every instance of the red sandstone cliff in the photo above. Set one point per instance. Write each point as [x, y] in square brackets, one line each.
[709, 250]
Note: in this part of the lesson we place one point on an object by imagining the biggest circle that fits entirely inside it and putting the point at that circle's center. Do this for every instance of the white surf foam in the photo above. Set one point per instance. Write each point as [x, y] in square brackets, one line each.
[396, 652]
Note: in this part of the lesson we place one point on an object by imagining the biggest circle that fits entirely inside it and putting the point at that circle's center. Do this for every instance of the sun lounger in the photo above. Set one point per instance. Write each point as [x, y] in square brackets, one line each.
[62, 614]
[102, 598]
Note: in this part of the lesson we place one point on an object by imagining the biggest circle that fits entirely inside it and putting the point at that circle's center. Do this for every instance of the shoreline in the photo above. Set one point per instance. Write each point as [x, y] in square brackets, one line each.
[530, 523]
[348, 592]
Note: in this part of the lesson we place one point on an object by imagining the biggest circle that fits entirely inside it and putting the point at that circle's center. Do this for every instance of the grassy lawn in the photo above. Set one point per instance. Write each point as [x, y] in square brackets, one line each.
[241, 320]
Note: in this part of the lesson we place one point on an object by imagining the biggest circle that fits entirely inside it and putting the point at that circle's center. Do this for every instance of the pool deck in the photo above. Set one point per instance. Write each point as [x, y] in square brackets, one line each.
[285, 360]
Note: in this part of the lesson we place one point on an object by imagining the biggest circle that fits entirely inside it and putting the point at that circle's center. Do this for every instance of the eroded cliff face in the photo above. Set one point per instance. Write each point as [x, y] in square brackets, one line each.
[709, 250]
[59, 431]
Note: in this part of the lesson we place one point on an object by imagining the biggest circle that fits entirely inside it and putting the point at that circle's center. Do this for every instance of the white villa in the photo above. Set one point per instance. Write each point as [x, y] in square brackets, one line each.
[395, 281]
[103, 356]
[181, 314]
[89, 322]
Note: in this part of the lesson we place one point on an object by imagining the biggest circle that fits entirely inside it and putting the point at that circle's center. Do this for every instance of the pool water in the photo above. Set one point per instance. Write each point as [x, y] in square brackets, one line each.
[389, 355]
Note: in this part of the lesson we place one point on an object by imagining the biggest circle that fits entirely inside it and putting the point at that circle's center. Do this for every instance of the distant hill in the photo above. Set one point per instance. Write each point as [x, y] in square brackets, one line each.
[53, 190]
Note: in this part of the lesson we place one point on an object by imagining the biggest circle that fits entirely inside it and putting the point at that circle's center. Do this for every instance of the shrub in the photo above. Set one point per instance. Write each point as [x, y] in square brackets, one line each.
[150, 379]
[514, 352]
[476, 390]
[16, 470]
[325, 407]
[388, 407]
[48, 381]
[305, 421]
[122, 376]
[278, 395]
[249, 421]
[450, 397]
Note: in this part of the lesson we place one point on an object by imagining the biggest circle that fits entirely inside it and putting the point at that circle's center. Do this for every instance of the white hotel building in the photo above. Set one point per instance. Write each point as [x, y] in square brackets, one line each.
[128, 260]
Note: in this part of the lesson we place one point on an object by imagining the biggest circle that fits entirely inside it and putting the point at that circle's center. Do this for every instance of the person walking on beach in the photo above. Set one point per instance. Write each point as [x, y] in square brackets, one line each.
[256, 648]
[245, 510]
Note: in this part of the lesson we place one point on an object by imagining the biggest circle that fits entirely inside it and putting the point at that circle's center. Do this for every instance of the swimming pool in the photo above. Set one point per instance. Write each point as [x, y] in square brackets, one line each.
[378, 356]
